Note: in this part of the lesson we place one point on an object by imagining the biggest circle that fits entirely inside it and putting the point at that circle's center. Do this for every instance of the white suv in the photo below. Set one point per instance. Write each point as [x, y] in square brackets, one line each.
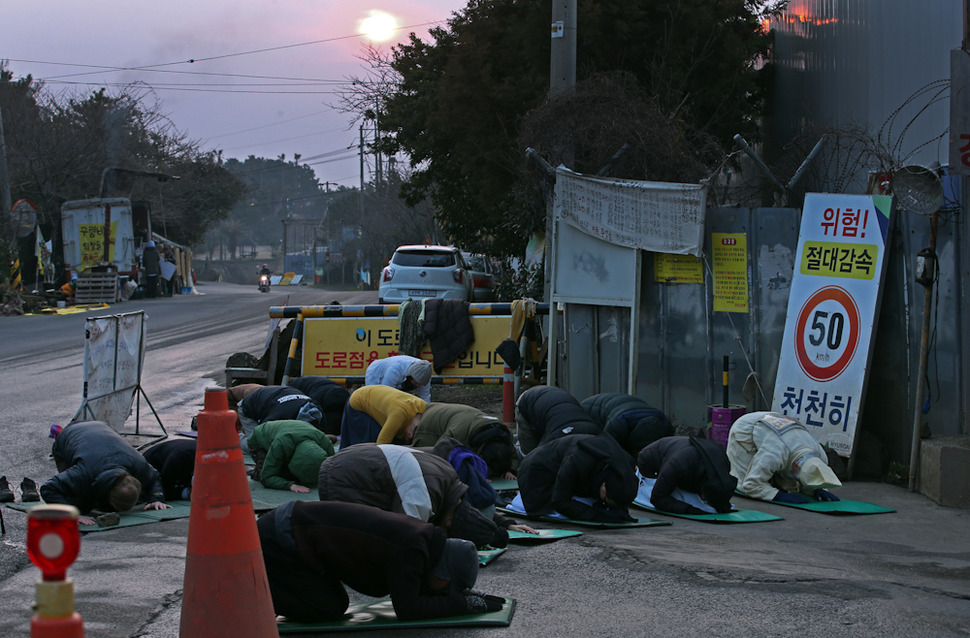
[425, 272]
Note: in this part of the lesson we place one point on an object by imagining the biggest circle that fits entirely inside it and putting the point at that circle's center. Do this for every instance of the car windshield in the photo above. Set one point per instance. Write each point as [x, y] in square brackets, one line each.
[475, 262]
[424, 258]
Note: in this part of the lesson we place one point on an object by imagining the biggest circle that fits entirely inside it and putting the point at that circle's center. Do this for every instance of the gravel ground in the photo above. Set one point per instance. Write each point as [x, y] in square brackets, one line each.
[487, 398]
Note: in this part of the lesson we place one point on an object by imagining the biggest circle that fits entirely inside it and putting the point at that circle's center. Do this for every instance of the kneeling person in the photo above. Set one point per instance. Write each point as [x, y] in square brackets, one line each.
[289, 454]
[313, 549]
[99, 470]
[775, 458]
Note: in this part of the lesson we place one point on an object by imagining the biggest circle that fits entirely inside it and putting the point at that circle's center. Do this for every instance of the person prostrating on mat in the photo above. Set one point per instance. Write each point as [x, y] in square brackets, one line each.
[775, 458]
[99, 470]
[690, 464]
[581, 476]
[312, 549]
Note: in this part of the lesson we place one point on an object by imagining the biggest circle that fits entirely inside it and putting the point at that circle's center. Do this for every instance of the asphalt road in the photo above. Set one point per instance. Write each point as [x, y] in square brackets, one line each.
[900, 574]
[188, 339]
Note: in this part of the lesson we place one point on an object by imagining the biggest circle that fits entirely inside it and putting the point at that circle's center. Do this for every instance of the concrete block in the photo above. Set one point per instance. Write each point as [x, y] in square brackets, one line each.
[944, 470]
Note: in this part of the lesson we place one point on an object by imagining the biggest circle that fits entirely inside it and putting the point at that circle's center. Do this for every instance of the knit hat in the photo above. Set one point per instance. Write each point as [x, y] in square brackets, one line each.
[652, 428]
[620, 488]
[150, 244]
[717, 483]
[458, 564]
[815, 474]
[470, 524]
[497, 456]
[420, 371]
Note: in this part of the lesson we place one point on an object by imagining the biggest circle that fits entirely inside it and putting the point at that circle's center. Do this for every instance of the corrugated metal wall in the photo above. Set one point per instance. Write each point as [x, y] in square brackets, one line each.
[682, 341]
[882, 65]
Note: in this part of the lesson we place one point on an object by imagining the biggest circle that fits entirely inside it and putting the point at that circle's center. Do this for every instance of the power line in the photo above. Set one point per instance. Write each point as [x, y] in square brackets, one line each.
[208, 88]
[159, 66]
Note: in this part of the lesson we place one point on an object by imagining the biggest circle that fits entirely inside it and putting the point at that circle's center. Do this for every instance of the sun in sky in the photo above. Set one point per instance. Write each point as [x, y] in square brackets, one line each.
[378, 26]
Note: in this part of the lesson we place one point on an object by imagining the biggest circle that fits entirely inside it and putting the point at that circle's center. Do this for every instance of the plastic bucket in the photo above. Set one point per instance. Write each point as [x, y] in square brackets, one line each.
[721, 421]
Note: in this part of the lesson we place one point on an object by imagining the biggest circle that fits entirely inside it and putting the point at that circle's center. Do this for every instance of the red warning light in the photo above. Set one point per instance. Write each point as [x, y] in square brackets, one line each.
[53, 539]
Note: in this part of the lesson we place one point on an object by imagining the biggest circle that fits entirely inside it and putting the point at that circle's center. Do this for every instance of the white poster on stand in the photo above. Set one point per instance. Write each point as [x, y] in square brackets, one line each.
[836, 288]
[114, 351]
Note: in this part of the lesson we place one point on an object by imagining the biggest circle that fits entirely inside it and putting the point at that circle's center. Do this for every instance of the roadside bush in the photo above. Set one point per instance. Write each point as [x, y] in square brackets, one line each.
[519, 281]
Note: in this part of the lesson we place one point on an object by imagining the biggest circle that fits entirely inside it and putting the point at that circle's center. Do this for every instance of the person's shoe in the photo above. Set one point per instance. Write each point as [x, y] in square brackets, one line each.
[6, 494]
[28, 491]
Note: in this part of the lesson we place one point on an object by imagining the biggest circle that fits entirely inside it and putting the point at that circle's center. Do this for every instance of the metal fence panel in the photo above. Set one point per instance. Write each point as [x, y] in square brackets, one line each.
[681, 341]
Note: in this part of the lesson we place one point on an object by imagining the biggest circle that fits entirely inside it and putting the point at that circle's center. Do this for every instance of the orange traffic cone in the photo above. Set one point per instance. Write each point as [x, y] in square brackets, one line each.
[226, 592]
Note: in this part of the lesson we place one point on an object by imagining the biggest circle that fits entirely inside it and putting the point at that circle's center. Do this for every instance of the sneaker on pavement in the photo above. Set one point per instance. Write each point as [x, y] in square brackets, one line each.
[28, 491]
[6, 494]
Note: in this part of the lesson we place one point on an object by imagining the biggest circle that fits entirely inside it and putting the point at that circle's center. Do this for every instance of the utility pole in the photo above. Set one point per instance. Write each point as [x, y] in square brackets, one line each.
[5, 198]
[562, 61]
[562, 76]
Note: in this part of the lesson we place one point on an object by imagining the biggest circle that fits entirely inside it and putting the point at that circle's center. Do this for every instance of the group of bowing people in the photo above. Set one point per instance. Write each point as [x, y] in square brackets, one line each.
[406, 501]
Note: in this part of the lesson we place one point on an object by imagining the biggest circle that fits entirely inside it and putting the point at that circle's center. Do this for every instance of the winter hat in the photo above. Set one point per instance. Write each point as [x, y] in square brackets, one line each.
[497, 456]
[458, 564]
[717, 484]
[653, 428]
[816, 474]
[420, 371]
[470, 524]
[150, 244]
[621, 489]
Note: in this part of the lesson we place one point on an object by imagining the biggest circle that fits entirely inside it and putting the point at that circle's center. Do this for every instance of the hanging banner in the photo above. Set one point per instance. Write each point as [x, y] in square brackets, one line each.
[836, 288]
[655, 216]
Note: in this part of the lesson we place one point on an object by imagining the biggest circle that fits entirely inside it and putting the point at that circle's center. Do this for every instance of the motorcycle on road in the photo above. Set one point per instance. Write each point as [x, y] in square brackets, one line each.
[264, 283]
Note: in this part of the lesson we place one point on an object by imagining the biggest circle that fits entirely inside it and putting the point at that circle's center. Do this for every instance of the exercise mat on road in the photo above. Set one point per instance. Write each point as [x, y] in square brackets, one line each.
[516, 508]
[179, 509]
[543, 536]
[486, 556]
[843, 507]
[737, 516]
[504, 485]
[266, 499]
[559, 519]
[380, 615]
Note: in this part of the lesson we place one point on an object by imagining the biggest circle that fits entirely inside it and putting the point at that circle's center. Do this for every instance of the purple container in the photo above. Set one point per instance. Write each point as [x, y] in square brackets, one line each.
[721, 420]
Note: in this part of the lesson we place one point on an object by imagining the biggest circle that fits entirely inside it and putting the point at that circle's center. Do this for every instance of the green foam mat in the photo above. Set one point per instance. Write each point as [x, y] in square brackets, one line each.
[504, 485]
[486, 556]
[266, 499]
[737, 516]
[842, 507]
[179, 509]
[544, 535]
[640, 522]
[380, 615]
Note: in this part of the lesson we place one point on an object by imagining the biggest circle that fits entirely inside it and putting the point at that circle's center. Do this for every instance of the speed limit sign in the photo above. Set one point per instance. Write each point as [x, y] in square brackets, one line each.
[833, 303]
[827, 333]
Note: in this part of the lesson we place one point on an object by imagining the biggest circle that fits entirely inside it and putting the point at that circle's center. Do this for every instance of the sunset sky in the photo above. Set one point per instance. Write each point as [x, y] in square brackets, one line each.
[294, 55]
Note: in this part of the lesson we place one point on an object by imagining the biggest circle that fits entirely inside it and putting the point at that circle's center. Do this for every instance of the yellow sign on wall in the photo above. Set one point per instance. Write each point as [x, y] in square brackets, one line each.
[344, 346]
[730, 267]
[677, 269]
[92, 243]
